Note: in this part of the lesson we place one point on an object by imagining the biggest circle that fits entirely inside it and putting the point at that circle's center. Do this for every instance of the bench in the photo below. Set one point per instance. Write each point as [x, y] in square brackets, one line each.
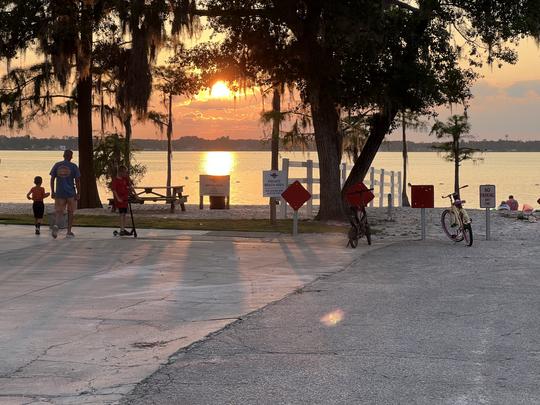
[154, 194]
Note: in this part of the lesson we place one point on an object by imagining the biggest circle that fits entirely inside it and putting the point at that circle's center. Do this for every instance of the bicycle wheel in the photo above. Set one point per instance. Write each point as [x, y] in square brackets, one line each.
[467, 234]
[353, 237]
[368, 234]
[453, 232]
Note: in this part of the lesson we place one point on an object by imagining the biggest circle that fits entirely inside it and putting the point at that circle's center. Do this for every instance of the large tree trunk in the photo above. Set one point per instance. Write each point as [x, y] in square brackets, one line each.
[274, 143]
[89, 191]
[404, 196]
[379, 128]
[128, 131]
[169, 147]
[329, 149]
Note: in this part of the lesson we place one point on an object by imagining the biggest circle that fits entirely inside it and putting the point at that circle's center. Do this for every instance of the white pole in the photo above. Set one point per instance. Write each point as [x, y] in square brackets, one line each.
[392, 186]
[295, 223]
[381, 189]
[399, 190]
[371, 182]
[285, 169]
[309, 166]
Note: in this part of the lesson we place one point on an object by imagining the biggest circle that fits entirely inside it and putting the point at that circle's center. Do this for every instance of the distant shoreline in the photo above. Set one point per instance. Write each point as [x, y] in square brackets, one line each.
[196, 144]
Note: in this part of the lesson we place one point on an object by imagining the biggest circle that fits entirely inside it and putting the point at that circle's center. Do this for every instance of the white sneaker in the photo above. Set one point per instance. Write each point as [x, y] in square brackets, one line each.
[54, 231]
[70, 235]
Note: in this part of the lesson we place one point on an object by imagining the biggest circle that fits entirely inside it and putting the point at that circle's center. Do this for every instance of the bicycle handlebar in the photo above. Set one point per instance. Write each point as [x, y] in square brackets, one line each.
[451, 194]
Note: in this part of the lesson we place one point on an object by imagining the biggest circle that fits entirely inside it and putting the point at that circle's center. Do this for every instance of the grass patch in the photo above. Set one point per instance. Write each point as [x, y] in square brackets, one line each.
[239, 225]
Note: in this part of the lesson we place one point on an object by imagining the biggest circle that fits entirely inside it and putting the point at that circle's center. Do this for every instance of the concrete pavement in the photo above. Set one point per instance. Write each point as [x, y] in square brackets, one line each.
[411, 323]
[84, 320]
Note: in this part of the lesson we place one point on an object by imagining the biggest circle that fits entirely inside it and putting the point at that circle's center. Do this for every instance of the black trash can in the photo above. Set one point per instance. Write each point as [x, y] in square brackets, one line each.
[217, 202]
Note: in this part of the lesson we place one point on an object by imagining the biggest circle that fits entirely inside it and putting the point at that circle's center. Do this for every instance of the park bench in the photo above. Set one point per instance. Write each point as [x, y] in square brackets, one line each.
[159, 193]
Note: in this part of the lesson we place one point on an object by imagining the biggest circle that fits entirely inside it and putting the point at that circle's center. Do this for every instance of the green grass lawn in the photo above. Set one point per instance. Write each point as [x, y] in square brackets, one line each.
[244, 225]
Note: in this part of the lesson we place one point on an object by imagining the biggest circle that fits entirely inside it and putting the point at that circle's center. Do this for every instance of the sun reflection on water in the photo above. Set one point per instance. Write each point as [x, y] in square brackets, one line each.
[218, 163]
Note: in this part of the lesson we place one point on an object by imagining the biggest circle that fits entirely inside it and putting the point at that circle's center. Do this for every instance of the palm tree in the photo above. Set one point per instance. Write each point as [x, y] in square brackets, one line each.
[174, 79]
[408, 119]
[456, 128]
[66, 34]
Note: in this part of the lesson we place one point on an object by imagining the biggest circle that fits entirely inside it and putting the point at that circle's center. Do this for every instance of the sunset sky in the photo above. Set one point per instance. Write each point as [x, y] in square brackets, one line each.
[506, 102]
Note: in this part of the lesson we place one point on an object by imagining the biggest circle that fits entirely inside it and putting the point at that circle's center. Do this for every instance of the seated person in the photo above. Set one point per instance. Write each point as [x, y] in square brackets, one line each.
[512, 203]
[503, 206]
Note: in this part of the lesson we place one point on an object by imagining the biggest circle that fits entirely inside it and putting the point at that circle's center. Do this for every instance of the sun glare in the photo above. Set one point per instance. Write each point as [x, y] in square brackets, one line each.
[220, 90]
[218, 163]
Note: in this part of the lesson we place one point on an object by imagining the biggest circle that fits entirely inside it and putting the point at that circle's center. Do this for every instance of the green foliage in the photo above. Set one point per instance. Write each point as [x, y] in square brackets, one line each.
[457, 129]
[109, 153]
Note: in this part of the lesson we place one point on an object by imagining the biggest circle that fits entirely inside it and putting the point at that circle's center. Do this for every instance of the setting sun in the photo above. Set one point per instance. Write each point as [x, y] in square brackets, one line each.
[218, 163]
[220, 90]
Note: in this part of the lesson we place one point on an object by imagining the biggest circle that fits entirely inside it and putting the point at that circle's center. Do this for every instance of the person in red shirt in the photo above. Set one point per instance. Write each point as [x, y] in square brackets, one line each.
[37, 194]
[121, 187]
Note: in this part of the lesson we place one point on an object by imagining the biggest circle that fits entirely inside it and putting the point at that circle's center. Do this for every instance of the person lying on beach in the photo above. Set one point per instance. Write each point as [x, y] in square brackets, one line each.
[503, 206]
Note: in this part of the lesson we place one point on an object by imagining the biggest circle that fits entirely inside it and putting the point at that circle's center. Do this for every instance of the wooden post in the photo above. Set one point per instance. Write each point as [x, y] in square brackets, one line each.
[343, 174]
[309, 167]
[371, 182]
[399, 190]
[381, 189]
[201, 202]
[392, 186]
[285, 169]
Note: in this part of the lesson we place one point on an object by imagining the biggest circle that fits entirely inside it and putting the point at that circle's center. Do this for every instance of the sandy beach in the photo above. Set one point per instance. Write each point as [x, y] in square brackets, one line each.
[402, 224]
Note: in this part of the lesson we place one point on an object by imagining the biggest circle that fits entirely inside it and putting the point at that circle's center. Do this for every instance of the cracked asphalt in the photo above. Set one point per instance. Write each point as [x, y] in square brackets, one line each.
[409, 323]
[84, 320]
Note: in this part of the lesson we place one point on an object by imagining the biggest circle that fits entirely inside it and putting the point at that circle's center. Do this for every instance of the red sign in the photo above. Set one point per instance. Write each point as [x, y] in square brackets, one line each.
[423, 196]
[359, 195]
[296, 195]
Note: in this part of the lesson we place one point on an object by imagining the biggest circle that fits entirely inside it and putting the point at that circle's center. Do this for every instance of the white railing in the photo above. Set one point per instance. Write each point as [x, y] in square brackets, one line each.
[386, 184]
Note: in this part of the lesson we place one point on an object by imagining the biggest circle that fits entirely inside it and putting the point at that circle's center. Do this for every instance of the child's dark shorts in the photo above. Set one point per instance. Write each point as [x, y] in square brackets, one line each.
[39, 208]
[122, 210]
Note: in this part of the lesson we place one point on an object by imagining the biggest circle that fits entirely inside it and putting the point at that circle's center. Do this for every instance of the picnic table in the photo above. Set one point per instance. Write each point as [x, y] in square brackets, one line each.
[158, 193]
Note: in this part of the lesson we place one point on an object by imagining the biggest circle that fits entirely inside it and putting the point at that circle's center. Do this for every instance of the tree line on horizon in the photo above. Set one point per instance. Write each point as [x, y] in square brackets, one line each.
[194, 143]
[357, 67]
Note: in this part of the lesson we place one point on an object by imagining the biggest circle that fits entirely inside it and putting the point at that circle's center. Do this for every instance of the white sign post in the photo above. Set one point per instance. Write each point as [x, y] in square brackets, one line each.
[274, 183]
[488, 200]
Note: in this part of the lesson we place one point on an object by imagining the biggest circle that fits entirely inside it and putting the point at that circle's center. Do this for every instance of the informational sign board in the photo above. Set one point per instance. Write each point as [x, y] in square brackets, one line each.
[214, 186]
[359, 195]
[296, 195]
[423, 196]
[274, 183]
[488, 198]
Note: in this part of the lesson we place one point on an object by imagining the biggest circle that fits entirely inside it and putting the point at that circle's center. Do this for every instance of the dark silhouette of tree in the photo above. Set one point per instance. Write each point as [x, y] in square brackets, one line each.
[457, 129]
[176, 78]
[65, 33]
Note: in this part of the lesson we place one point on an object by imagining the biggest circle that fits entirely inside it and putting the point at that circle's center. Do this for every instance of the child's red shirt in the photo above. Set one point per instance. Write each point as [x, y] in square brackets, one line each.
[37, 193]
[121, 186]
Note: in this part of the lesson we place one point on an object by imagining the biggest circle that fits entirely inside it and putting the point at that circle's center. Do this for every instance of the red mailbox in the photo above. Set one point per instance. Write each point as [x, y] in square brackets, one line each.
[423, 196]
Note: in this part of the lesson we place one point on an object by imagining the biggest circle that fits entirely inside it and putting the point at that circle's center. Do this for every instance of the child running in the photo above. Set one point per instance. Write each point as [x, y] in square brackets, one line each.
[121, 187]
[37, 194]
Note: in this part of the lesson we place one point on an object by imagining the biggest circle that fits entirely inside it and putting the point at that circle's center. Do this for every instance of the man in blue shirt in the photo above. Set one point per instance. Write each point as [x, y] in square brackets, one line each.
[65, 186]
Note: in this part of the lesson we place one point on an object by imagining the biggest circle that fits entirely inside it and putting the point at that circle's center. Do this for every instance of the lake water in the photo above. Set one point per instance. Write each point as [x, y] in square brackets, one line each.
[512, 173]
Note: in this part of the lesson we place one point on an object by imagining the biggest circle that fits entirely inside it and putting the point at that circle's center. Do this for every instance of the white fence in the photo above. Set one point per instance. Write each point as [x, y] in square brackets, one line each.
[383, 182]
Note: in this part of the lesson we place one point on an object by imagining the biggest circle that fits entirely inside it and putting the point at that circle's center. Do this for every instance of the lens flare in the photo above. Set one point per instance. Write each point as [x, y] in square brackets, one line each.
[333, 318]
